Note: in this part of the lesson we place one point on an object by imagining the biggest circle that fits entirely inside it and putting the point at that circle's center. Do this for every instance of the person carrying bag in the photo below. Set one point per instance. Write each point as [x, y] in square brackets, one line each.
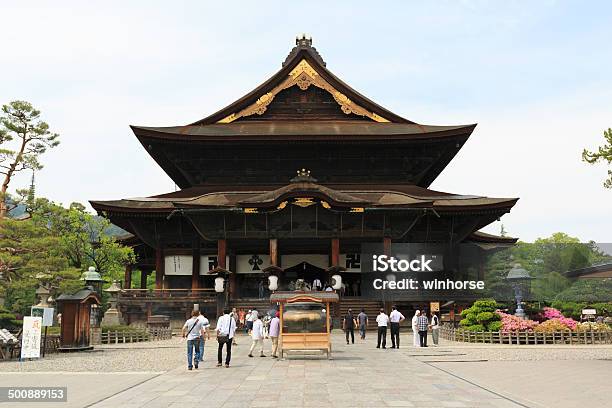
[226, 328]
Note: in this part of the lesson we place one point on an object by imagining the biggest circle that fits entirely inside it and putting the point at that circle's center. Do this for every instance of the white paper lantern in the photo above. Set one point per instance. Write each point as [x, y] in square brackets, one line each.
[219, 284]
[337, 282]
[273, 282]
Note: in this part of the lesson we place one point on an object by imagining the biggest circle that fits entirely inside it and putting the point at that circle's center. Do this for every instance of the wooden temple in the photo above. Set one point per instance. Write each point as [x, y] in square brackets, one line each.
[291, 179]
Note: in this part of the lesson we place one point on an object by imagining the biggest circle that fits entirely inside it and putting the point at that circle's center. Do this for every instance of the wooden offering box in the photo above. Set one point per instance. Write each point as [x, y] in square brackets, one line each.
[305, 320]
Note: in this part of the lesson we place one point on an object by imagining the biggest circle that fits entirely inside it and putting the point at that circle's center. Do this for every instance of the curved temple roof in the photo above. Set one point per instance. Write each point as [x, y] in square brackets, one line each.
[336, 196]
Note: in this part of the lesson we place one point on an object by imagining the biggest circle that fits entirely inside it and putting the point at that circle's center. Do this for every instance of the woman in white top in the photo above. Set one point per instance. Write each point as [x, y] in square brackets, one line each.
[415, 329]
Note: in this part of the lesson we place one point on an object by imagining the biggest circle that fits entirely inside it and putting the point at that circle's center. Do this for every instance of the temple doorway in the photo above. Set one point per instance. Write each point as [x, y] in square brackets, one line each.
[305, 271]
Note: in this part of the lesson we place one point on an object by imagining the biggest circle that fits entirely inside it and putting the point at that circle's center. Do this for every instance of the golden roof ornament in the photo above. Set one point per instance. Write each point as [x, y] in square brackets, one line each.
[303, 176]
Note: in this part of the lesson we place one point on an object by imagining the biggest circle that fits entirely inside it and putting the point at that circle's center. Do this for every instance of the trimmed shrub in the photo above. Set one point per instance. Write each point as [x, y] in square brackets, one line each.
[552, 325]
[596, 327]
[495, 326]
[480, 315]
[484, 317]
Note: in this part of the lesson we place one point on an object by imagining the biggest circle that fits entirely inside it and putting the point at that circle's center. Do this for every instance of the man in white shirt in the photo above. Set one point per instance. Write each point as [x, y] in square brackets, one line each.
[257, 334]
[396, 318]
[205, 327]
[226, 328]
[193, 330]
[316, 284]
[382, 320]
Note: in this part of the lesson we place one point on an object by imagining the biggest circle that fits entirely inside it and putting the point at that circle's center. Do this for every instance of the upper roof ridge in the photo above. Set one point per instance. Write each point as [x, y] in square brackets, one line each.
[303, 43]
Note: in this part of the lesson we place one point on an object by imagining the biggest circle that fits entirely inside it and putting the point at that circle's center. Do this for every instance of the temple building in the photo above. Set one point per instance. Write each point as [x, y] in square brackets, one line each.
[292, 180]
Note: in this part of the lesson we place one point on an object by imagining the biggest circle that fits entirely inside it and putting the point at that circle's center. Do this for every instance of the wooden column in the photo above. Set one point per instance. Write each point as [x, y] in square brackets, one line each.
[335, 252]
[195, 271]
[127, 283]
[159, 268]
[221, 253]
[273, 252]
[387, 245]
[143, 278]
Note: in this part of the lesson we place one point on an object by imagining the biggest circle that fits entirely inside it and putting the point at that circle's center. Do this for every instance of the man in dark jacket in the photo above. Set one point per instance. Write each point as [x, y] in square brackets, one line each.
[348, 324]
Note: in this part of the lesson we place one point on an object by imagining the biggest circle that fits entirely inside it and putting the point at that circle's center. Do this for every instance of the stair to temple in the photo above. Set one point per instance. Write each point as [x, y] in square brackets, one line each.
[356, 304]
[262, 305]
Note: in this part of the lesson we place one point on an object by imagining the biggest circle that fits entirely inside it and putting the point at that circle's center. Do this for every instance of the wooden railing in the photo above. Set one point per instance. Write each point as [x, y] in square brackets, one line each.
[127, 294]
[134, 336]
[13, 350]
[527, 337]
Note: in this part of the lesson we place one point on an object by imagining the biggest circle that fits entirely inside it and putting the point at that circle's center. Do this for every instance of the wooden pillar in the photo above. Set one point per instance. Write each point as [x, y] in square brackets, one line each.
[159, 268]
[273, 252]
[143, 278]
[387, 245]
[149, 310]
[127, 283]
[335, 252]
[221, 253]
[195, 271]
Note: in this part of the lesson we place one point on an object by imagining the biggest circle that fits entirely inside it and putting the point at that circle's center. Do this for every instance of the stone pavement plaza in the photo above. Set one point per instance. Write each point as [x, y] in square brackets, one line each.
[453, 375]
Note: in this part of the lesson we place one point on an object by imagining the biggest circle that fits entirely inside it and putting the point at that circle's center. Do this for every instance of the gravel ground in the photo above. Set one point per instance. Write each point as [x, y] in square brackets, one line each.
[151, 356]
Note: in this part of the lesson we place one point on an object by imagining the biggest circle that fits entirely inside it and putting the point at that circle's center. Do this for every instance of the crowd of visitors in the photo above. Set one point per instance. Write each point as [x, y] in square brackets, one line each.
[420, 326]
[196, 331]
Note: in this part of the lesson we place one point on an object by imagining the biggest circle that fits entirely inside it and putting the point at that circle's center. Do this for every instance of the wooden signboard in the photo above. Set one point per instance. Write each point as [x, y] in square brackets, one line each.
[434, 306]
[30, 339]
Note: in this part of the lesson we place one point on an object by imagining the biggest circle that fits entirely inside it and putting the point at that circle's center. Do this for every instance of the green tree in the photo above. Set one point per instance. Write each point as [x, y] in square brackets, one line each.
[547, 259]
[30, 137]
[603, 153]
[84, 238]
[29, 250]
[8, 319]
[55, 244]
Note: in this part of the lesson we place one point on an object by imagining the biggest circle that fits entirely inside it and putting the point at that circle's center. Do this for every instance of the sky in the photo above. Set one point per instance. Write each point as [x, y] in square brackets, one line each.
[535, 76]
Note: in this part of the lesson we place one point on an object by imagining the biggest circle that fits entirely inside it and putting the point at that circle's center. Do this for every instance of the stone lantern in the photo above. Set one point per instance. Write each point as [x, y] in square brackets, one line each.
[519, 279]
[112, 316]
[94, 281]
[43, 295]
[92, 278]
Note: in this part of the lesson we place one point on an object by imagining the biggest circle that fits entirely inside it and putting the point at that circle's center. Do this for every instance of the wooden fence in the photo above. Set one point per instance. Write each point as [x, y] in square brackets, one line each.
[13, 350]
[527, 337]
[134, 336]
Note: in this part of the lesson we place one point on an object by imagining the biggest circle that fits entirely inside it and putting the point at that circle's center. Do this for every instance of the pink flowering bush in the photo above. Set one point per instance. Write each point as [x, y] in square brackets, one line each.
[511, 323]
[550, 313]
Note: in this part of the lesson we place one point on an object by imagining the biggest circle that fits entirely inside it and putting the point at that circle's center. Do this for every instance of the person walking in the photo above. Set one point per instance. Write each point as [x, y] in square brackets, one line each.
[234, 315]
[415, 329]
[435, 328]
[382, 320]
[192, 330]
[362, 318]
[249, 321]
[348, 324]
[205, 327]
[226, 328]
[396, 318]
[423, 324]
[274, 333]
[257, 334]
